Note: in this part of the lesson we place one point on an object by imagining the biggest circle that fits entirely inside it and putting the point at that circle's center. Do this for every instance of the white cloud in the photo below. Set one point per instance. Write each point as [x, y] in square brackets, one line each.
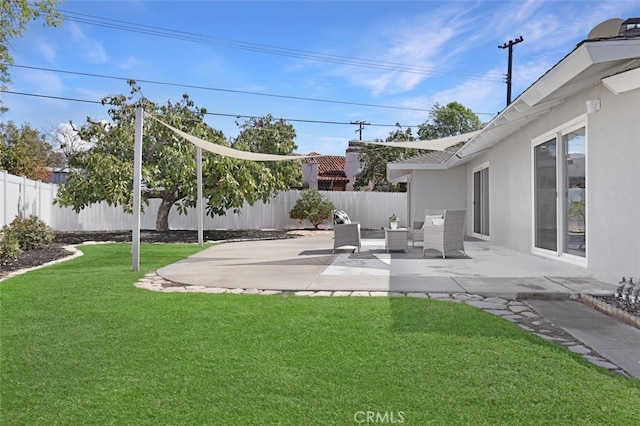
[423, 42]
[524, 10]
[525, 74]
[43, 82]
[47, 50]
[479, 96]
[130, 63]
[92, 50]
[67, 134]
[555, 25]
[91, 94]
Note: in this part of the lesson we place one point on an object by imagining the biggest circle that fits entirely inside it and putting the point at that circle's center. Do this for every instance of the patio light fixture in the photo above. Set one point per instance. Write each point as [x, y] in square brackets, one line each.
[593, 106]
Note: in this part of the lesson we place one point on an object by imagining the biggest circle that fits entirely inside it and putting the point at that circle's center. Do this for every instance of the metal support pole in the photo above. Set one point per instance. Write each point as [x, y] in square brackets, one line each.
[200, 201]
[5, 197]
[409, 214]
[137, 183]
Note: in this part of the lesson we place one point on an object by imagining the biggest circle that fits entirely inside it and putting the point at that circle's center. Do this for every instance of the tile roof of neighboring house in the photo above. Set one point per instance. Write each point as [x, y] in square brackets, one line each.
[330, 167]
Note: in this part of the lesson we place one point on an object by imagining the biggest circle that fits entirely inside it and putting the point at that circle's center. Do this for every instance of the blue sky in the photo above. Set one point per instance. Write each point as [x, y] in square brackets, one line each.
[263, 57]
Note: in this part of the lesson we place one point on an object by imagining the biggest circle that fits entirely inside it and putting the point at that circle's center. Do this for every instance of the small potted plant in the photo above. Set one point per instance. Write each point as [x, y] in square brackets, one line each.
[393, 221]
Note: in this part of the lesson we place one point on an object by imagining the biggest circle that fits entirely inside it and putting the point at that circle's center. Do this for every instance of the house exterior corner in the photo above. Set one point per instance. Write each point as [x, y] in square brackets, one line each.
[557, 174]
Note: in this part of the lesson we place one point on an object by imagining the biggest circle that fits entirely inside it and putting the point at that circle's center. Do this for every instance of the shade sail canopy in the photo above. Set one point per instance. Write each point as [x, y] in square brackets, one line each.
[230, 152]
[440, 144]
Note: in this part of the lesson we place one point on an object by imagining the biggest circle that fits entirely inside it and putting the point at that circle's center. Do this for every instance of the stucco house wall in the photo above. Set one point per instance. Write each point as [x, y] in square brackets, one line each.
[511, 175]
[613, 181]
[509, 192]
[602, 70]
[437, 189]
[613, 187]
[310, 173]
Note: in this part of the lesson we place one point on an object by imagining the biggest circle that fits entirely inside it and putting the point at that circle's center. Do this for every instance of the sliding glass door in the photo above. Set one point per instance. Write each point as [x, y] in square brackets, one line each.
[481, 201]
[575, 201]
[560, 188]
[546, 218]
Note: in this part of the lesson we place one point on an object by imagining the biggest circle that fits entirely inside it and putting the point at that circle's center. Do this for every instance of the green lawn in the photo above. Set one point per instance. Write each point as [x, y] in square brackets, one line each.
[81, 345]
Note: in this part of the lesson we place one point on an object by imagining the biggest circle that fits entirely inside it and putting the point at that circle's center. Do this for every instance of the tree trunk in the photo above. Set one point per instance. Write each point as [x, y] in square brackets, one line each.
[162, 219]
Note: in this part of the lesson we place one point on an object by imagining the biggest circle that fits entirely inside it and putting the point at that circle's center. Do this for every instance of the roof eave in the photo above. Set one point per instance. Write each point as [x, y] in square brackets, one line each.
[538, 98]
[399, 172]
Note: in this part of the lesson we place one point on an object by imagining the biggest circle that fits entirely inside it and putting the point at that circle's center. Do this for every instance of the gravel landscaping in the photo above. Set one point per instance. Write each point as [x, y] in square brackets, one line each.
[624, 305]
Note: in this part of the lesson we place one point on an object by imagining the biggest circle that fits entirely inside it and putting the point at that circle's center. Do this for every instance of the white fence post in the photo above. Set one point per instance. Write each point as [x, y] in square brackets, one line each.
[4, 196]
[24, 197]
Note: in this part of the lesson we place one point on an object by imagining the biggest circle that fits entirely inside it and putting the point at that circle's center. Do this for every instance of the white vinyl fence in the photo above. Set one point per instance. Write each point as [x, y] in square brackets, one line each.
[22, 197]
[25, 197]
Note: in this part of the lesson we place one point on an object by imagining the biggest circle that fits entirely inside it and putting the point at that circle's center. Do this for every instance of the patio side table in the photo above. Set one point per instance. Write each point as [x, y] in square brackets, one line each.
[396, 239]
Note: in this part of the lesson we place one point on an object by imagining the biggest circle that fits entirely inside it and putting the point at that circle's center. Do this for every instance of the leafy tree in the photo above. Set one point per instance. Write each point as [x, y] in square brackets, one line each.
[312, 206]
[14, 17]
[24, 152]
[169, 163]
[449, 120]
[373, 176]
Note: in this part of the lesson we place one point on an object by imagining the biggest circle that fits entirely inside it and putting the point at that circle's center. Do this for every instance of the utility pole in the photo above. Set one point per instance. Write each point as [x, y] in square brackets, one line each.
[509, 45]
[361, 125]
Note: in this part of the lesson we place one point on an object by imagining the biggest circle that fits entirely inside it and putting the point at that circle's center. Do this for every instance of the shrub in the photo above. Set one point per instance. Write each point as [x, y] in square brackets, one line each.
[313, 207]
[9, 247]
[31, 233]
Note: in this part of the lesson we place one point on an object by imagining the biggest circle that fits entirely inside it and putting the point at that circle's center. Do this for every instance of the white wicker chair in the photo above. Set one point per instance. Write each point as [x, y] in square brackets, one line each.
[417, 231]
[449, 236]
[345, 235]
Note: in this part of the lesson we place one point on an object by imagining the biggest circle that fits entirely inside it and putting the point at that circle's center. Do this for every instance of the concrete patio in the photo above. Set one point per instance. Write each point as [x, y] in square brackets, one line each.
[308, 263]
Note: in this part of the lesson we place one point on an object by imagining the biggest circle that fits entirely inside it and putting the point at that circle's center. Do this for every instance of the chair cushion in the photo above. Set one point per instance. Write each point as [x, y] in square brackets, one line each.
[340, 218]
[431, 219]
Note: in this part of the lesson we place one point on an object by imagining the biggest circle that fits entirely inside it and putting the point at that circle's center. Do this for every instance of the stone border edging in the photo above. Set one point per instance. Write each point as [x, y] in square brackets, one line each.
[612, 311]
[71, 248]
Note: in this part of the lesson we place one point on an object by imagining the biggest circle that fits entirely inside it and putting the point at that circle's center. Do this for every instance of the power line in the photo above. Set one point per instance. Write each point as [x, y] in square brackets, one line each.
[62, 98]
[259, 48]
[217, 89]
[295, 120]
